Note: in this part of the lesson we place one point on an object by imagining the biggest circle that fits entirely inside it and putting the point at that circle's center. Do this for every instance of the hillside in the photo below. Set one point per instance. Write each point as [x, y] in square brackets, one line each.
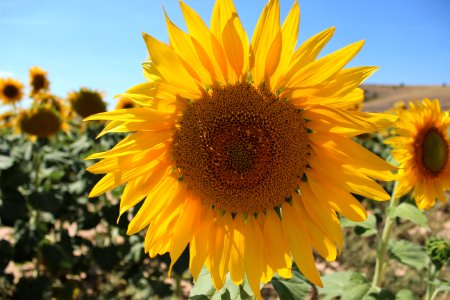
[381, 97]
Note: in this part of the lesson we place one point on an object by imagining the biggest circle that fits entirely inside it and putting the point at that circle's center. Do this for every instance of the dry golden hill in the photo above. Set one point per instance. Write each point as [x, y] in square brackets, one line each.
[380, 98]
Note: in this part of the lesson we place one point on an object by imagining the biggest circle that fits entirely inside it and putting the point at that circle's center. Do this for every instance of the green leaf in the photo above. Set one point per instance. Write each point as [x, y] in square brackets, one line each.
[404, 295]
[408, 253]
[295, 288]
[6, 162]
[409, 212]
[441, 285]
[203, 287]
[356, 288]
[381, 295]
[333, 284]
[366, 228]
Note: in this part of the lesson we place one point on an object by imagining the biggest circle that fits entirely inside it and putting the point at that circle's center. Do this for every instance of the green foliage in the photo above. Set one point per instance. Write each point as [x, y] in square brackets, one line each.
[347, 285]
[438, 250]
[366, 228]
[408, 253]
[204, 289]
[64, 245]
[409, 212]
[296, 288]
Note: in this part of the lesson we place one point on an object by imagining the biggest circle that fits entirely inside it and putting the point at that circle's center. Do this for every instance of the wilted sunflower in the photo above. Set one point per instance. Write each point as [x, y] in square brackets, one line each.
[40, 121]
[124, 103]
[38, 80]
[243, 151]
[422, 151]
[86, 102]
[11, 90]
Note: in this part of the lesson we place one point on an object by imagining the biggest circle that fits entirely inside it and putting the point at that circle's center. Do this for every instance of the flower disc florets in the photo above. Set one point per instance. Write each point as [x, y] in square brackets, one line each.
[242, 148]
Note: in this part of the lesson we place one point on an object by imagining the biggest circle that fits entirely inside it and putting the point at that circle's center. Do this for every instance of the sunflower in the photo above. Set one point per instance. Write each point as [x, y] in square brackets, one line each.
[40, 121]
[86, 102]
[56, 104]
[7, 119]
[421, 148]
[124, 103]
[38, 80]
[243, 150]
[11, 90]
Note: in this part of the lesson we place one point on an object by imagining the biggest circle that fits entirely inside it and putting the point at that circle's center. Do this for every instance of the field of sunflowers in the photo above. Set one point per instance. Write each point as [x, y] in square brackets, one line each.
[239, 170]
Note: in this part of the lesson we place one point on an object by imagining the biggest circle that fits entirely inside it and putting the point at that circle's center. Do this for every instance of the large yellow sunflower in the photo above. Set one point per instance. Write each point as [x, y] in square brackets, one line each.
[11, 90]
[243, 151]
[422, 151]
[38, 80]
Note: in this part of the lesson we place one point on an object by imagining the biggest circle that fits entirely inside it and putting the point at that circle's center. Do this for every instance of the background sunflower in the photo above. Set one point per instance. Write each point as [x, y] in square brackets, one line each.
[421, 148]
[11, 90]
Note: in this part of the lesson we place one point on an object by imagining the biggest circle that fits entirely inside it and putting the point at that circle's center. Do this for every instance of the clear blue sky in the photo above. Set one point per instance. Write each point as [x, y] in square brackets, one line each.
[98, 43]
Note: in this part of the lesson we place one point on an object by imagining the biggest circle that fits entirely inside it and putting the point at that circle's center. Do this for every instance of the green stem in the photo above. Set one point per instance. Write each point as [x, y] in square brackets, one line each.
[178, 290]
[433, 271]
[382, 245]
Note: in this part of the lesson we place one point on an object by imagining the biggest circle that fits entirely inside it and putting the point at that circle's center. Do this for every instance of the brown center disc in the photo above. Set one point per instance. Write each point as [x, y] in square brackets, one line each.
[242, 148]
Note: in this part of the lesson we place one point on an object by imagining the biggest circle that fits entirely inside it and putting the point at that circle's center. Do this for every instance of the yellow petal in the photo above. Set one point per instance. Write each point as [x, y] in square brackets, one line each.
[322, 69]
[199, 246]
[253, 254]
[299, 243]
[204, 39]
[266, 29]
[237, 268]
[306, 54]
[227, 28]
[338, 198]
[182, 45]
[321, 212]
[184, 228]
[162, 195]
[345, 81]
[275, 246]
[289, 34]
[319, 238]
[168, 64]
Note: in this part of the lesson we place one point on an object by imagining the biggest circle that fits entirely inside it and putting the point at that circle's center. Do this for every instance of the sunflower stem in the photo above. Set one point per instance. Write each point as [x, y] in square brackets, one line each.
[383, 243]
[432, 273]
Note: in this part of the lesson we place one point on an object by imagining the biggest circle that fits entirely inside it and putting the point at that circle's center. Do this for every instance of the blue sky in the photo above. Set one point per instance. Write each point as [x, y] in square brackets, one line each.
[98, 43]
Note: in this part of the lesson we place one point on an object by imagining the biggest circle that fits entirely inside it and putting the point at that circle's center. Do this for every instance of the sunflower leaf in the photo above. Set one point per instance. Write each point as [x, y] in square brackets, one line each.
[404, 294]
[6, 162]
[295, 288]
[408, 212]
[357, 288]
[203, 287]
[408, 254]
[333, 284]
[366, 228]
[347, 285]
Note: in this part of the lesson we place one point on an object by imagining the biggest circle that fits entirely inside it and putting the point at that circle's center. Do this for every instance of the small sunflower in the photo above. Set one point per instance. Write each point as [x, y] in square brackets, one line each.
[11, 90]
[38, 80]
[7, 119]
[124, 103]
[55, 103]
[243, 150]
[86, 102]
[421, 148]
[40, 121]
